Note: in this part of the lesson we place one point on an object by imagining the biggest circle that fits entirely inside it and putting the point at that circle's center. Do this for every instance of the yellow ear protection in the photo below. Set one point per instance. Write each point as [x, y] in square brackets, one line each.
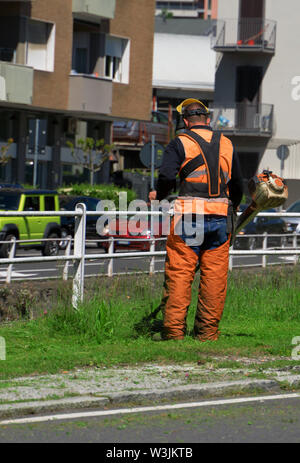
[185, 103]
[182, 112]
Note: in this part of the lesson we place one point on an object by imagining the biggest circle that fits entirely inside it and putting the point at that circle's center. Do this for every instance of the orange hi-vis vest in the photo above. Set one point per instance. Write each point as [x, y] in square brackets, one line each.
[206, 170]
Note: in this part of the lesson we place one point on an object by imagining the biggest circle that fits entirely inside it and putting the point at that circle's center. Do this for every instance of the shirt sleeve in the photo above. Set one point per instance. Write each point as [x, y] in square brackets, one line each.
[236, 184]
[173, 157]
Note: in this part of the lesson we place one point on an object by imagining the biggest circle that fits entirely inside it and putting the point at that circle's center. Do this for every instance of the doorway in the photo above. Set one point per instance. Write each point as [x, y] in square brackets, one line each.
[248, 85]
[251, 22]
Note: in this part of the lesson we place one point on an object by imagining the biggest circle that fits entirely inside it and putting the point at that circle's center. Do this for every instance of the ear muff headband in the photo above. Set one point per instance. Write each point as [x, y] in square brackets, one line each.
[187, 102]
[195, 112]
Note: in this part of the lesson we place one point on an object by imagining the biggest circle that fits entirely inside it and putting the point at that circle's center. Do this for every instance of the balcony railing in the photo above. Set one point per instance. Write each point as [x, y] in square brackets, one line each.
[16, 83]
[180, 5]
[247, 34]
[94, 9]
[90, 94]
[243, 119]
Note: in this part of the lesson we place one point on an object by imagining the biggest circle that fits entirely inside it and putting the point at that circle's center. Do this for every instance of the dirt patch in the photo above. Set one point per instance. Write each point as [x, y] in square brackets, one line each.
[29, 299]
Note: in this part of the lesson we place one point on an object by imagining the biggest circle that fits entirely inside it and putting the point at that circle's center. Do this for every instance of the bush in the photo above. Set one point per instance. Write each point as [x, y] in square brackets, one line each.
[109, 192]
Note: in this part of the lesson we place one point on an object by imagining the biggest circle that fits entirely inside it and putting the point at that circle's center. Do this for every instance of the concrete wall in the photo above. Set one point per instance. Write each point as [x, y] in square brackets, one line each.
[89, 94]
[191, 49]
[284, 66]
[225, 77]
[228, 9]
[51, 89]
[135, 20]
[291, 164]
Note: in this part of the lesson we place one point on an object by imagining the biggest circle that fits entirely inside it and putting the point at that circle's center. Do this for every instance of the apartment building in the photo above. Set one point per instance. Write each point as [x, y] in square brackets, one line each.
[183, 62]
[75, 66]
[256, 88]
[204, 9]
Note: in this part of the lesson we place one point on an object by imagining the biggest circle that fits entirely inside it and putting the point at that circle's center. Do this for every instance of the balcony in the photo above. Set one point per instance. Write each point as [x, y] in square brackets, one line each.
[243, 119]
[94, 10]
[244, 35]
[16, 83]
[90, 94]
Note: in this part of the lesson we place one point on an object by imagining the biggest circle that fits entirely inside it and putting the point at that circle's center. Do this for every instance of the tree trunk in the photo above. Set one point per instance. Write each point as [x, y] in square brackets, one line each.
[91, 177]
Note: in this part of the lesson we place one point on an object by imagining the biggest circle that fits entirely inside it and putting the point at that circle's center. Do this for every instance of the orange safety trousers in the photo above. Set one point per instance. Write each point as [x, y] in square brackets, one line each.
[180, 266]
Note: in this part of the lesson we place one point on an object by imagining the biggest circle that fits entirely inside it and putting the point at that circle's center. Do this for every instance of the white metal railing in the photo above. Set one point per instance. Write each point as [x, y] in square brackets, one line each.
[243, 118]
[247, 34]
[79, 255]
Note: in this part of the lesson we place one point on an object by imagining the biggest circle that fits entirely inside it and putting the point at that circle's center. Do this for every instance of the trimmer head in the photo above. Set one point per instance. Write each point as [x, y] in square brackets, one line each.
[267, 190]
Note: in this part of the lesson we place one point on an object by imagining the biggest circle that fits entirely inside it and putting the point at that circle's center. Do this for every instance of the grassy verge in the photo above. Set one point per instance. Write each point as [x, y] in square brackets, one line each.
[261, 317]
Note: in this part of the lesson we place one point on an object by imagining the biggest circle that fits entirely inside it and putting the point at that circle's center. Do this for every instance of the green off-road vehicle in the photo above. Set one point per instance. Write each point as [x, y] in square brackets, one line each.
[29, 227]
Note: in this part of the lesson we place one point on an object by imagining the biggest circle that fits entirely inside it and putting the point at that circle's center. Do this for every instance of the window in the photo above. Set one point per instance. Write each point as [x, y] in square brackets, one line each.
[91, 204]
[295, 207]
[9, 201]
[81, 60]
[40, 45]
[49, 203]
[117, 59]
[7, 54]
[32, 203]
[81, 52]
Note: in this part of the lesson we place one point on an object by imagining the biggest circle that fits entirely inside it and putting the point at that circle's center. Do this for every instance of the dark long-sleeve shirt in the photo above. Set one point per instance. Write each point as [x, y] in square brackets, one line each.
[173, 158]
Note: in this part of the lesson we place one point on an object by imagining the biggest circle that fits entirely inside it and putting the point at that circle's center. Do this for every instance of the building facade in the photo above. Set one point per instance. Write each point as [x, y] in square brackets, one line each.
[75, 66]
[257, 100]
[183, 62]
[204, 9]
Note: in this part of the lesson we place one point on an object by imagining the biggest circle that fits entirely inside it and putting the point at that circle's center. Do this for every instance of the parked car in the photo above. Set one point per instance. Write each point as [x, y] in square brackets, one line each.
[125, 237]
[28, 228]
[10, 185]
[258, 226]
[293, 223]
[140, 132]
[68, 203]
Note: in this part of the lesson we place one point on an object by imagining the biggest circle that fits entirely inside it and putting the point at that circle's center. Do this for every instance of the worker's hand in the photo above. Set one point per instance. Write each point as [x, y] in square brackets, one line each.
[152, 195]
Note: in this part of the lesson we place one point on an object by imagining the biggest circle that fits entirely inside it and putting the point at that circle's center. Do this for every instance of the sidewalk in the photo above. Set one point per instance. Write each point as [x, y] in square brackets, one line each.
[147, 384]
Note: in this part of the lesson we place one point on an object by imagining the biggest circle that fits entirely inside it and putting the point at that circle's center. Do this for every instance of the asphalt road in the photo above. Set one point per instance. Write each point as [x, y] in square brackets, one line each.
[258, 421]
[48, 270]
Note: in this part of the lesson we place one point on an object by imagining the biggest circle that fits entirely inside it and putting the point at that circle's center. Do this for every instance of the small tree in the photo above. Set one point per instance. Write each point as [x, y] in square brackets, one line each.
[166, 14]
[4, 157]
[90, 154]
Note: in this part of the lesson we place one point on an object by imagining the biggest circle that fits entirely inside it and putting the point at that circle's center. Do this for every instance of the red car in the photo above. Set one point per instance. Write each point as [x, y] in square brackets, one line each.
[140, 132]
[138, 237]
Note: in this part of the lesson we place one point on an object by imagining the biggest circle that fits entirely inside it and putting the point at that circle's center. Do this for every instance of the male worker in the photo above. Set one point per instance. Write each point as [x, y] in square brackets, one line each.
[211, 178]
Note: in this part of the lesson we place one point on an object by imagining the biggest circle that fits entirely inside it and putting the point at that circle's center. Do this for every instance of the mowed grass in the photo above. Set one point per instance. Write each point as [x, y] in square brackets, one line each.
[261, 316]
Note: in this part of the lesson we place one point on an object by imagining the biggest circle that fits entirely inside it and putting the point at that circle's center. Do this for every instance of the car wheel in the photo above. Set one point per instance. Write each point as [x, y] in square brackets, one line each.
[63, 243]
[5, 248]
[51, 248]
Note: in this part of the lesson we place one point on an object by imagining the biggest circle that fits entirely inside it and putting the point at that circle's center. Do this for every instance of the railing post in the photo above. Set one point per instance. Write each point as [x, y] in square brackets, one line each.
[12, 252]
[67, 254]
[230, 262]
[265, 245]
[110, 268]
[295, 246]
[152, 258]
[79, 252]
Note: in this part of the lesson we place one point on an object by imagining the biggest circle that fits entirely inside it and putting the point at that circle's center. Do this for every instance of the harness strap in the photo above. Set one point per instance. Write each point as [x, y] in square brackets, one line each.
[210, 156]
